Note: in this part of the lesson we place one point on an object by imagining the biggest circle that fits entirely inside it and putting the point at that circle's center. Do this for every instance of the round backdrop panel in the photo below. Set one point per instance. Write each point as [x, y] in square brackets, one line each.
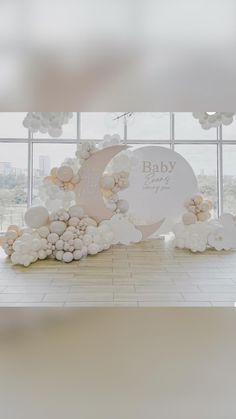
[160, 182]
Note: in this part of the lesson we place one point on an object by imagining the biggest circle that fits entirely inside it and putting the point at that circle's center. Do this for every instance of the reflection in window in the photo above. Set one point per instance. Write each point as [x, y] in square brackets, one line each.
[94, 125]
[13, 184]
[202, 158]
[189, 128]
[45, 157]
[229, 160]
[149, 126]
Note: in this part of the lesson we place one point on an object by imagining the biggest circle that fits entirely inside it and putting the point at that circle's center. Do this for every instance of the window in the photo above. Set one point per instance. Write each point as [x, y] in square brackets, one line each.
[13, 184]
[24, 161]
[229, 156]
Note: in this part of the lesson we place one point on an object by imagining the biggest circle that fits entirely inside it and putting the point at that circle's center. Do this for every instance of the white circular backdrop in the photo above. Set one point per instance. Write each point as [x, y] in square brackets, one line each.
[160, 183]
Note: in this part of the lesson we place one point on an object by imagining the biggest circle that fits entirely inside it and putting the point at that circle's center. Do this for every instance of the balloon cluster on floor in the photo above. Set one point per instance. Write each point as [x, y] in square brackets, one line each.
[198, 232]
[61, 230]
[64, 235]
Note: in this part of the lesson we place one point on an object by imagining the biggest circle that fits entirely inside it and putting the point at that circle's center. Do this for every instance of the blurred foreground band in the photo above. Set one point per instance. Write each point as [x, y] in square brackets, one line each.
[134, 55]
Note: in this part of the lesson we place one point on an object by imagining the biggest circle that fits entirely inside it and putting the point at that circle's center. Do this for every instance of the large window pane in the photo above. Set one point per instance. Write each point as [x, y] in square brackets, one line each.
[149, 126]
[189, 128]
[46, 156]
[94, 125]
[11, 125]
[203, 160]
[13, 184]
[229, 170]
[69, 131]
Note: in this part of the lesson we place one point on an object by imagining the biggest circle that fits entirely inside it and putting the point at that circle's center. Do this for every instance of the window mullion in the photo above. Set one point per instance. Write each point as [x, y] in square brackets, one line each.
[78, 127]
[30, 169]
[172, 130]
[219, 171]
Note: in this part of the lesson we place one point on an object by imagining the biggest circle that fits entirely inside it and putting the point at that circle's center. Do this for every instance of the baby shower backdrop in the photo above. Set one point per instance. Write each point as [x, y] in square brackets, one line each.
[112, 193]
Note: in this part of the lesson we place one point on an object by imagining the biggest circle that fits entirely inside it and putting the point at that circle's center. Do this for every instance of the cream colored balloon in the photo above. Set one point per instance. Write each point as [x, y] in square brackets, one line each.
[65, 173]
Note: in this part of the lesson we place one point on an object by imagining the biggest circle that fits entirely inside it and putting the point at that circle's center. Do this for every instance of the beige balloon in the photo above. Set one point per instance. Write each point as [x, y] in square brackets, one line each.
[88, 191]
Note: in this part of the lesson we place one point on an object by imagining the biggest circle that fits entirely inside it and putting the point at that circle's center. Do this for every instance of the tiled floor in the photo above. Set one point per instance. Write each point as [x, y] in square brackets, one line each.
[150, 273]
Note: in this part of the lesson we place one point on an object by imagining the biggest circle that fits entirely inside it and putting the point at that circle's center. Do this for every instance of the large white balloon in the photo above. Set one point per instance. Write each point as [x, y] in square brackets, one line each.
[36, 217]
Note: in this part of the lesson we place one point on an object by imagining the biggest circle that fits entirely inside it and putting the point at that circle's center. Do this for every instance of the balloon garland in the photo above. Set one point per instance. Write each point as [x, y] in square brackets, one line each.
[61, 229]
[209, 120]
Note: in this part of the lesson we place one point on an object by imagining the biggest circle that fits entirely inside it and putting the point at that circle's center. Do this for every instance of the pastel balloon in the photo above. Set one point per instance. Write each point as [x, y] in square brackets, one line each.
[65, 173]
[36, 217]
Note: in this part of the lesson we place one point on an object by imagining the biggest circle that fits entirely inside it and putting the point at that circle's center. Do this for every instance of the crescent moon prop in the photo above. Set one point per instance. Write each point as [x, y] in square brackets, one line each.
[88, 191]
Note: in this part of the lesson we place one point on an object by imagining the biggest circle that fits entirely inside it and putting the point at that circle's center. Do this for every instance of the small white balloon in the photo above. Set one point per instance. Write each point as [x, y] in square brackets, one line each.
[53, 237]
[77, 255]
[43, 231]
[67, 257]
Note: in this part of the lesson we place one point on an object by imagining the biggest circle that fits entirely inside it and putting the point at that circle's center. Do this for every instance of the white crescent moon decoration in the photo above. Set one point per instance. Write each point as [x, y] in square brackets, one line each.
[88, 190]
[85, 209]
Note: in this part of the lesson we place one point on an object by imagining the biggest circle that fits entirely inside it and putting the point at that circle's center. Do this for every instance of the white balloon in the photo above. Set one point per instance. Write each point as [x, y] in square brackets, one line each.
[74, 221]
[42, 254]
[53, 237]
[36, 244]
[87, 239]
[59, 254]
[93, 249]
[59, 244]
[36, 217]
[26, 238]
[57, 227]
[67, 257]
[68, 235]
[77, 254]
[84, 251]
[78, 244]
[43, 231]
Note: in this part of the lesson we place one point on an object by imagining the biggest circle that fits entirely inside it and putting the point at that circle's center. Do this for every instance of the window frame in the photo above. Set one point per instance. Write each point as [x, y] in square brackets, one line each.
[172, 141]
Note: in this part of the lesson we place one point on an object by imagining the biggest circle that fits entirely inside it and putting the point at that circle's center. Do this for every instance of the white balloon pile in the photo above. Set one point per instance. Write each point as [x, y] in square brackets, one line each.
[47, 122]
[215, 234]
[214, 119]
[65, 235]
[194, 236]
